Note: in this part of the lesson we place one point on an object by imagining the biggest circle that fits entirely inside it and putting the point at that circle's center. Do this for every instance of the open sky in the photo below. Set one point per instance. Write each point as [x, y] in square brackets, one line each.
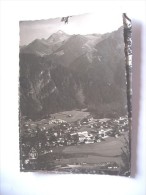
[80, 24]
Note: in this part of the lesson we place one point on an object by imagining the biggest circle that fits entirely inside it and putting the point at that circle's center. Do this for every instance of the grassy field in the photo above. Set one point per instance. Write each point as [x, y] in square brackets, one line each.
[110, 147]
[70, 116]
[108, 150]
[89, 159]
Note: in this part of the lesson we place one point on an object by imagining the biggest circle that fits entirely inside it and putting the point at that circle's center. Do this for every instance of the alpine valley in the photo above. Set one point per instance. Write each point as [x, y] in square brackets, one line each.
[66, 72]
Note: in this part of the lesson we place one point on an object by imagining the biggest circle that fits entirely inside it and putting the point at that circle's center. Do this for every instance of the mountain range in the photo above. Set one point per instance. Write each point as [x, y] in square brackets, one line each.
[67, 72]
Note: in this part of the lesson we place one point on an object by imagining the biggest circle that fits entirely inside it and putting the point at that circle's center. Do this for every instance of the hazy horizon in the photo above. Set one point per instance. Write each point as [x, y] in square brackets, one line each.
[78, 24]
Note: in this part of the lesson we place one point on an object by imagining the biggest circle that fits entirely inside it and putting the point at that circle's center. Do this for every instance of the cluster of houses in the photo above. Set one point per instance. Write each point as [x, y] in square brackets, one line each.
[41, 137]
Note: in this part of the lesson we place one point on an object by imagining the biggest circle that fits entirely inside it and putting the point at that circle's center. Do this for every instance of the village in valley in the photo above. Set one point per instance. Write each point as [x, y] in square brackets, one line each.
[63, 142]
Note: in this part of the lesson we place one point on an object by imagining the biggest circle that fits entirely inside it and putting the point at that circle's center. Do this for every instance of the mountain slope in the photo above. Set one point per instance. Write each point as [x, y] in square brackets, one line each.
[83, 72]
[46, 46]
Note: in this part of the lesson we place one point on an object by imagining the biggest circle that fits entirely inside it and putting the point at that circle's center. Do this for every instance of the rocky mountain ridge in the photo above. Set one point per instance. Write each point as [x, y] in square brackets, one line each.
[66, 72]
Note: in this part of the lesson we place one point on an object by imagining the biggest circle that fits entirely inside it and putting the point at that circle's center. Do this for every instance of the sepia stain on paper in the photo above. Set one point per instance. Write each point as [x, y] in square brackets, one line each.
[75, 95]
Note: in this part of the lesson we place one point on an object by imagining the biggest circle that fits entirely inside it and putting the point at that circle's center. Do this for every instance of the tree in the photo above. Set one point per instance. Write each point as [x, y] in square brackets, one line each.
[76, 138]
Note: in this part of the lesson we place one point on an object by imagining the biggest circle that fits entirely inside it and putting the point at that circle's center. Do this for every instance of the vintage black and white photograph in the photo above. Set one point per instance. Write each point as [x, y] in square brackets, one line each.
[74, 95]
